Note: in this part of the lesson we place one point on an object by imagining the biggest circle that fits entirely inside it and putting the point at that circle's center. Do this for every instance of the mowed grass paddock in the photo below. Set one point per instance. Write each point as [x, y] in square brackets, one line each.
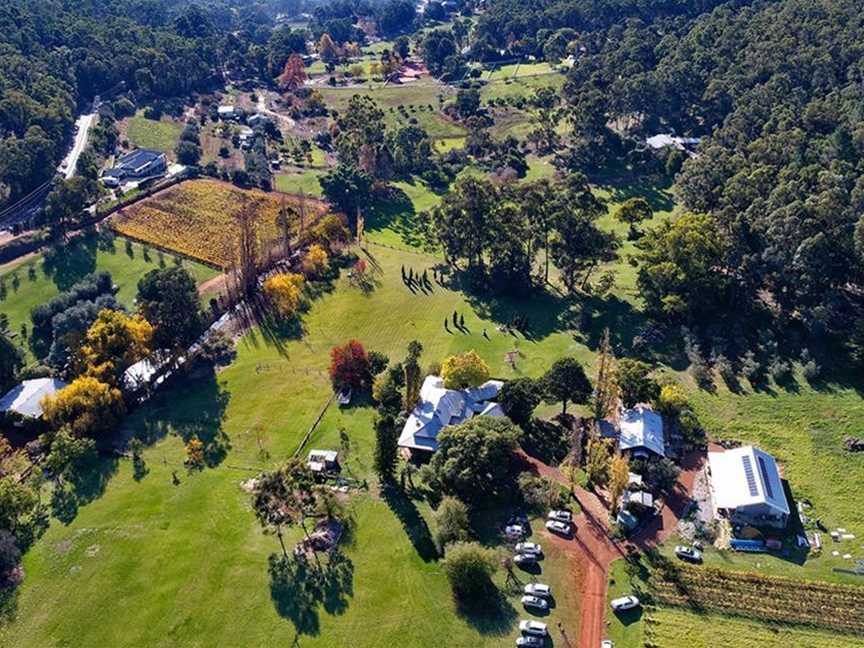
[177, 565]
[37, 279]
[199, 218]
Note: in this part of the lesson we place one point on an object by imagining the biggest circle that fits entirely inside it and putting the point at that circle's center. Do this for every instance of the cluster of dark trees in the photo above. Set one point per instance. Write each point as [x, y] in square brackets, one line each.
[777, 188]
[369, 153]
[499, 232]
[55, 56]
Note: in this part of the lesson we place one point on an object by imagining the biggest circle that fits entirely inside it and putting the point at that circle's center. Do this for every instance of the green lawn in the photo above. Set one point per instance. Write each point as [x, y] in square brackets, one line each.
[307, 182]
[36, 280]
[170, 565]
[523, 86]
[147, 133]
[516, 70]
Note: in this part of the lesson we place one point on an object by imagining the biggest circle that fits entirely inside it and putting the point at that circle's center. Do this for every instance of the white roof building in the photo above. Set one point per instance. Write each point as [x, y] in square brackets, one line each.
[26, 399]
[641, 429]
[663, 140]
[440, 407]
[746, 486]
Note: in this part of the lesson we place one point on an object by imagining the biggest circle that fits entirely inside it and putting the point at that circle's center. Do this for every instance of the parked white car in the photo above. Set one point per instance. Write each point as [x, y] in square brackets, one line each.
[624, 603]
[564, 528]
[514, 531]
[530, 641]
[607, 643]
[561, 516]
[529, 548]
[538, 589]
[525, 559]
[531, 627]
[690, 554]
[535, 602]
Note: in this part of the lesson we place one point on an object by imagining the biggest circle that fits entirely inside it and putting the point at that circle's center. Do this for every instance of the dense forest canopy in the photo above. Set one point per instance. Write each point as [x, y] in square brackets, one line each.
[773, 87]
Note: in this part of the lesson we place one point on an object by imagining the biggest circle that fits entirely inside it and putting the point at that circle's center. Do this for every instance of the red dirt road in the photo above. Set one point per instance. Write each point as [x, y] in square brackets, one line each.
[592, 550]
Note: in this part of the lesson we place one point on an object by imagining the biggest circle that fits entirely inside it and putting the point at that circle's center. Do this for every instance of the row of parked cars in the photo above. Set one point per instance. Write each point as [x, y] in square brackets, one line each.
[536, 596]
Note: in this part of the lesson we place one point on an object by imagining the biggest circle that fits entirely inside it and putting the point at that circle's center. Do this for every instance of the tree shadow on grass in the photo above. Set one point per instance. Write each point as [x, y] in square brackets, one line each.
[539, 315]
[68, 263]
[413, 523]
[393, 209]
[84, 485]
[193, 406]
[299, 589]
[491, 615]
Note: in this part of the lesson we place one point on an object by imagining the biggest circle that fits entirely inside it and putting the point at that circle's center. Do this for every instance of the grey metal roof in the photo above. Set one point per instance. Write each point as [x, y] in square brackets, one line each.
[26, 398]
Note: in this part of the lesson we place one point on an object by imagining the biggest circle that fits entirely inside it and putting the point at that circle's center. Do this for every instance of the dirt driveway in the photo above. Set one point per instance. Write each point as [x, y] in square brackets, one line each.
[591, 551]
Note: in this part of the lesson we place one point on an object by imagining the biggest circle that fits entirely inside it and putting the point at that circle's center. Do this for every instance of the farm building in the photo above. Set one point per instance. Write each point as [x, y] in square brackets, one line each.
[227, 112]
[746, 487]
[641, 432]
[137, 165]
[323, 461]
[440, 407]
[25, 399]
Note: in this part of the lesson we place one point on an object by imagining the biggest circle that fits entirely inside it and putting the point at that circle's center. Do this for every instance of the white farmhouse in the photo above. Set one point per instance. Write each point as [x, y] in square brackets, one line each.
[641, 432]
[440, 407]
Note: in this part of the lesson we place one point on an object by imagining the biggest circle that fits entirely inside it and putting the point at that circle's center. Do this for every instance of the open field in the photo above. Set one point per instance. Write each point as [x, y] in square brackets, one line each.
[147, 133]
[523, 86]
[38, 279]
[176, 565]
[198, 218]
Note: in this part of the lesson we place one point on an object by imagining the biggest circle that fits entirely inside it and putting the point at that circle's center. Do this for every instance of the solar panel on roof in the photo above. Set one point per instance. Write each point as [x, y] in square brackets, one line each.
[765, 479]
[751, 478]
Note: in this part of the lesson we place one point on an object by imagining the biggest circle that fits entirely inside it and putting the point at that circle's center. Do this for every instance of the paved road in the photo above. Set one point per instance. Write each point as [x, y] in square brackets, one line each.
[84, 123]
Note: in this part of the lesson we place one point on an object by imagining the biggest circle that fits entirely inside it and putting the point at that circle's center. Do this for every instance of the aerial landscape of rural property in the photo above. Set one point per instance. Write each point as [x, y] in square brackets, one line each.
[478, 323]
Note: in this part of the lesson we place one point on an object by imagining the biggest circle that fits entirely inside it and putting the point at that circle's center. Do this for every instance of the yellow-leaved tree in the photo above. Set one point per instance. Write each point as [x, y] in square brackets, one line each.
[316, 260]
[619, 477]
[113, 343]
[285, 292]
[464, 370]
[87, 406]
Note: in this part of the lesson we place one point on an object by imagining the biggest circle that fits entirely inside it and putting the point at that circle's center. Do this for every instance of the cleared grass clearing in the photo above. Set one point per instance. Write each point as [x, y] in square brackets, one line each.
[523, 86]
[56, 271]
[177, 565]
[160, 135]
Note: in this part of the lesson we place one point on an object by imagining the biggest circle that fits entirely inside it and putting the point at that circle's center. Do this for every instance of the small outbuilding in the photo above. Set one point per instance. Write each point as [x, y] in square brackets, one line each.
[323, 461]
[746, 487]
[25, 399]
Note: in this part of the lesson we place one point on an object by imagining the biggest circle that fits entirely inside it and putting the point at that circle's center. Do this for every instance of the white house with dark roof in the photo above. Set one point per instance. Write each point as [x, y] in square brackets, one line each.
[440, 407]
[746, 487]
[26, 399]
[640, 432]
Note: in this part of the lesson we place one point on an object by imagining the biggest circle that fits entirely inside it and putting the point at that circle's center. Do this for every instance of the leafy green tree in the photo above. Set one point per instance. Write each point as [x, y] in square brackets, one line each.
[635, 382]
[451, 522]
[473, 460]
[634, 211]
[386, 447]
[67, 452]
[565, 382]
[347, 187]
[469, 567]
[519, 398]
[168, 299]
[682, 272]
[578, 245]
